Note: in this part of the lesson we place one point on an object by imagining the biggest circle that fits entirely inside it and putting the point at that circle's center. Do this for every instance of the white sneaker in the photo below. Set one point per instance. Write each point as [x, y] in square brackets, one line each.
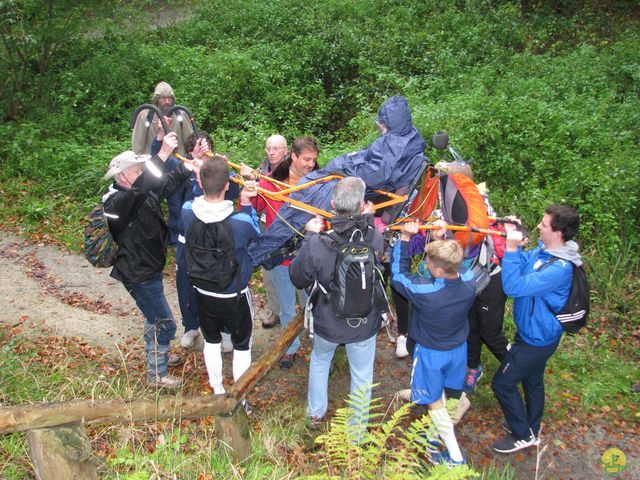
[189, 338]
[404, 395]
[227, 346]
[461, 408]
[401, 347]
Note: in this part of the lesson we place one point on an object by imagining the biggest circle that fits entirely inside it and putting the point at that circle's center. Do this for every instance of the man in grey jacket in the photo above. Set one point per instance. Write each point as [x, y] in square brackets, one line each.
[315, 262]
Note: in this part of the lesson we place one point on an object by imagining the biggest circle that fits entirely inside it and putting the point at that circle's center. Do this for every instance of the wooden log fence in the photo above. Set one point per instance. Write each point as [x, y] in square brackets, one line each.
[60, 448]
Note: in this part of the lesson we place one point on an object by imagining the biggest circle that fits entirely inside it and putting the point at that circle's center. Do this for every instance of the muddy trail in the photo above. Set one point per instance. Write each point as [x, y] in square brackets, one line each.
[47, 292]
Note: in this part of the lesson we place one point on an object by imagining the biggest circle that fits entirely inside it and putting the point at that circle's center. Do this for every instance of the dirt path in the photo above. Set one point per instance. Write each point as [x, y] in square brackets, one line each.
[45, 288]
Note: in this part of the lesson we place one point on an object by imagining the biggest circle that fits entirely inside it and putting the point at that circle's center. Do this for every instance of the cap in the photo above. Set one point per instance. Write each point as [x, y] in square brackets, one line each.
[123, 161]
[163, 89]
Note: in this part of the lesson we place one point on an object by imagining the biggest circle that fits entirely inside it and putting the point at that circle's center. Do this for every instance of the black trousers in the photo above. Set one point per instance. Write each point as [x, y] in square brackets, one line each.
[524, 364]
[233, 314]
[485, 323]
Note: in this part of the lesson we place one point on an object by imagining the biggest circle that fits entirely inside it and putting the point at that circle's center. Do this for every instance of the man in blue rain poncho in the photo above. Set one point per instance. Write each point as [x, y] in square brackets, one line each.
[389, 163]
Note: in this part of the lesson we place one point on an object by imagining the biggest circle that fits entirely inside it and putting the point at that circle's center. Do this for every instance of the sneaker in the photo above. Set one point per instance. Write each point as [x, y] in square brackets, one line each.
[404, 394]
[461, 409]
[439, 458]
[472, 377]
[432, 445]
[507, 428]
[247, 406]
[271, 321]
[189, 338]
[174, 360]
[401, 347]
[510, 444]
[635, 388]
[315, 423]
[227, 345]
[286, 362]
[164, 382]
[388, 323]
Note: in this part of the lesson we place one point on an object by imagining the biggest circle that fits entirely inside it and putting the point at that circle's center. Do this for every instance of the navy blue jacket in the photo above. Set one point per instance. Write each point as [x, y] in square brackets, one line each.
[439, 317]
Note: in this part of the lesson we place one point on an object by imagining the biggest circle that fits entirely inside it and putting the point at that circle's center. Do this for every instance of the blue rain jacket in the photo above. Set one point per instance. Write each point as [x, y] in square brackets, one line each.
[390, 162]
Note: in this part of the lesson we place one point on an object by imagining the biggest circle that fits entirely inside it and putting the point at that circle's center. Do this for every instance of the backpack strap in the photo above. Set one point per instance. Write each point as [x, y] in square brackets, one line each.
[548, 262]
[150, 114]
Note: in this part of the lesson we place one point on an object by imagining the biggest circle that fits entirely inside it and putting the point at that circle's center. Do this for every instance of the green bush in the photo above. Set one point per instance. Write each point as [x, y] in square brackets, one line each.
[545, 99]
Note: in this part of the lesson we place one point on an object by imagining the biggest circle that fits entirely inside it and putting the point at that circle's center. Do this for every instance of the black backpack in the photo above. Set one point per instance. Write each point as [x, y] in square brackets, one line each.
[99, 246]
[573, 316]
[356, 286]
[210, 255]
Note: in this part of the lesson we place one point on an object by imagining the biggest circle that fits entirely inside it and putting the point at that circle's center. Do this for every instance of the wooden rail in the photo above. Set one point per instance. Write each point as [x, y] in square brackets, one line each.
[60, 448]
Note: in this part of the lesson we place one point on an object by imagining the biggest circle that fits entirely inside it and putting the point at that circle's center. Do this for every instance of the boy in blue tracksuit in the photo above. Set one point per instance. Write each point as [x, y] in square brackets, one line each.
[439, 325]
[232, 308]
[536, 286]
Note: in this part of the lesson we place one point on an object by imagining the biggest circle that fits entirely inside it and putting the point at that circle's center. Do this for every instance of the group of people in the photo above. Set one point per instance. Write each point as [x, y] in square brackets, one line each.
[445, 321]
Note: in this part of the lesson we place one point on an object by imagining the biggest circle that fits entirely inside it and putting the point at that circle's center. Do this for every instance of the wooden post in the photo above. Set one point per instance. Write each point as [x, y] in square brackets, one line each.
[42, 415]
[62, 452]
[233, 433]
[258, 369]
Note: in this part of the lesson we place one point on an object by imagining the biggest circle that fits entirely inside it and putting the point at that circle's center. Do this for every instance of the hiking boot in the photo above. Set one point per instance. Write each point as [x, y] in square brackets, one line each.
[401, 346]
[271, 321]
[510, 444]
[164, 382]
[461, 409]
[174, 360]
[472, 377]
[227, 345]
[286, 362]
[189, 338]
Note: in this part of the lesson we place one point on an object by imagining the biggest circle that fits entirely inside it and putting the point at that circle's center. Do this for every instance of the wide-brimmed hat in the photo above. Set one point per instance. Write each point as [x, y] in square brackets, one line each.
[123, 161]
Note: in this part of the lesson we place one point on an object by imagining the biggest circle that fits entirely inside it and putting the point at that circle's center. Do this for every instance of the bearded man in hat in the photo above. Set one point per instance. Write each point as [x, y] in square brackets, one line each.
[132, 208]
[146, 126]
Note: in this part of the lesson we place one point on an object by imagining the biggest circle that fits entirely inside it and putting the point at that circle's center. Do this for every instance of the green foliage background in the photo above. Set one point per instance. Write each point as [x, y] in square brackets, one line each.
[544, 96]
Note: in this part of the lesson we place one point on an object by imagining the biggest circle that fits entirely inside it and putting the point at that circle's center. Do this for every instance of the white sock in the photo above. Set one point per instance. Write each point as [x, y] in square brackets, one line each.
[241, 362]
[444, 427]
[213, 361]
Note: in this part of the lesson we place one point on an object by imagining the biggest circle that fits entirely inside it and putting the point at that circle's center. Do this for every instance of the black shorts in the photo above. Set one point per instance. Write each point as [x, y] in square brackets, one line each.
[235, 313]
